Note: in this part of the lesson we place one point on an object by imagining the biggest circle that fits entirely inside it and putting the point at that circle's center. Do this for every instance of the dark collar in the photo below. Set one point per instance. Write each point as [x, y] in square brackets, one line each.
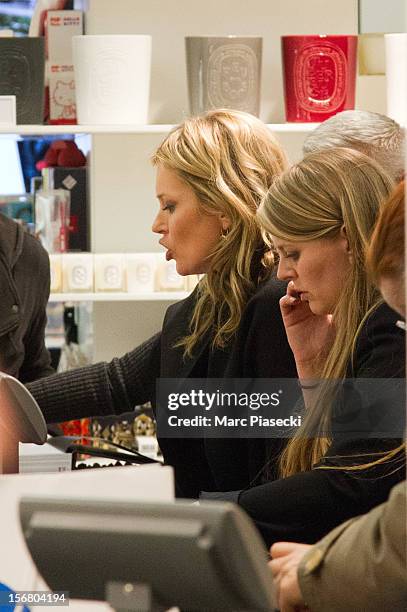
[175, 326]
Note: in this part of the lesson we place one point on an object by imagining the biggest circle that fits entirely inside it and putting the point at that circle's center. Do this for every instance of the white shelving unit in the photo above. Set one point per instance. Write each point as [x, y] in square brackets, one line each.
[157, 296]
[123, 202]
[51, 130]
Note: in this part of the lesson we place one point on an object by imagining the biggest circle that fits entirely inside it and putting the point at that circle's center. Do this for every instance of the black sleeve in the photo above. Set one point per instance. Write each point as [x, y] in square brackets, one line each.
[380, 347]
[305, 506]
[37, 360]
[102, 388]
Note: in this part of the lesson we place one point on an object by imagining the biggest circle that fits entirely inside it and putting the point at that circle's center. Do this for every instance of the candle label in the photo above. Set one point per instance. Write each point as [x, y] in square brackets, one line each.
[232, 77]
[320, 77]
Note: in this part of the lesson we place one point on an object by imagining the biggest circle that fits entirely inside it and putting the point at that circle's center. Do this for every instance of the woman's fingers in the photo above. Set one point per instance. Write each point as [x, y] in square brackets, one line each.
[290, 289]
[281, 549]
[287, 301]
[276, 566]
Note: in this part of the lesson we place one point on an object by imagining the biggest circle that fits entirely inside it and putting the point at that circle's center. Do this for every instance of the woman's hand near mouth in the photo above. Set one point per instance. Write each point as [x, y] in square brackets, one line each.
[310, 336]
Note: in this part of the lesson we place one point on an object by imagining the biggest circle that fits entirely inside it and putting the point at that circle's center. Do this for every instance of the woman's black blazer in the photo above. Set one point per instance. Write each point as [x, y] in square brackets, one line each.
[259, 350]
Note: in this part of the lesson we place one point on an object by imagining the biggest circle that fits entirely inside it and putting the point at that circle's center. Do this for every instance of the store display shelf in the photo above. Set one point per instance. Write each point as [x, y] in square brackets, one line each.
[43, 130]
[158, 296]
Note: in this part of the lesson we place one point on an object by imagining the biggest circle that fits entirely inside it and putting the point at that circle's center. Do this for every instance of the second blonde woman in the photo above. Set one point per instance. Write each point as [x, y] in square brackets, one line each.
[321, 215]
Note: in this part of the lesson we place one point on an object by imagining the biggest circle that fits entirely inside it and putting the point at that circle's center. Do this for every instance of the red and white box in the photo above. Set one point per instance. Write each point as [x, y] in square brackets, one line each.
[62, 100]
[60, 27]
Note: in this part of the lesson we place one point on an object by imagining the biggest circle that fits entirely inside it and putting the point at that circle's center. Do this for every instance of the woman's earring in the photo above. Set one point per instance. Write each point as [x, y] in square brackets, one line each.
[224, 233]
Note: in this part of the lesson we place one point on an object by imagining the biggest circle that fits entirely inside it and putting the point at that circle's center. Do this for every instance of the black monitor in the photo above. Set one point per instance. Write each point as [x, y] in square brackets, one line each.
[21, 420]
[149, 556]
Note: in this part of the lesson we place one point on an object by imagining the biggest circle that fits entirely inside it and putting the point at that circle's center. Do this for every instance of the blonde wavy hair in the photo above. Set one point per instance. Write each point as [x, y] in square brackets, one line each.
[229, 159]
[313, 200]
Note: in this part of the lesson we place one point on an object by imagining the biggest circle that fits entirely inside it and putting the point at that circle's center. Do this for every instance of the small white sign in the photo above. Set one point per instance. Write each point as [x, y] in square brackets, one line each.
[8, 111]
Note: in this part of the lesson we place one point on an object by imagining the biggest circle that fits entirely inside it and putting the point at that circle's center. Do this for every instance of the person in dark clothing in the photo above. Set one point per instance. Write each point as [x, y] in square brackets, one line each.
[321, 215]
[369, 549]
[212, 173]
[25, 284]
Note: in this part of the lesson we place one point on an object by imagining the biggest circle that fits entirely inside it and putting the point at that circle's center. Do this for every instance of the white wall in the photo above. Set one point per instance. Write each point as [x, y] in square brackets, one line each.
[382, 15]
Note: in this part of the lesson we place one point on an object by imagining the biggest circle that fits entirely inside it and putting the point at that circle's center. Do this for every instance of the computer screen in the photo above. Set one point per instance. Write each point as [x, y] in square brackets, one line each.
[197, 557]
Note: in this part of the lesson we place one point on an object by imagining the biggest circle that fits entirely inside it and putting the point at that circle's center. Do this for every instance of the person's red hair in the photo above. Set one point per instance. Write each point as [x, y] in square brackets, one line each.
[385, 255]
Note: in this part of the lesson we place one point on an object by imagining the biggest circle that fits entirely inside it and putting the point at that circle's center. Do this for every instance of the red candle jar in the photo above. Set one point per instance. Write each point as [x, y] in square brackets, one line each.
[319, 76]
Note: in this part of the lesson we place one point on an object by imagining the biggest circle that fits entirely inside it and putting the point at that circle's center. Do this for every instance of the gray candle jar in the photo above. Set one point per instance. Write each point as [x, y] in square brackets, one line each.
[224, 72]
[22, 66]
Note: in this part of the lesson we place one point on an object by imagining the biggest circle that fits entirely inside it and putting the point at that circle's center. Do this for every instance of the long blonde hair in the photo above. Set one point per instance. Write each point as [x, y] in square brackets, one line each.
[313, 200]
[229, 159]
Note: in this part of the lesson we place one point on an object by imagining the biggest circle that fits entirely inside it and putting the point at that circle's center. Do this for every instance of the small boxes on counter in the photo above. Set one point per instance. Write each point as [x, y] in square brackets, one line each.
[140, 269]
[77, 273]
[110, 274]
[133, 273]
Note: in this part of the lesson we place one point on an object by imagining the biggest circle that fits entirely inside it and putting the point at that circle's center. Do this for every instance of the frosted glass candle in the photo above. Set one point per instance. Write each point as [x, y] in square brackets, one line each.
[77, 272]
[224, 72]
[112, 76]
[140, 270]
[109, 272]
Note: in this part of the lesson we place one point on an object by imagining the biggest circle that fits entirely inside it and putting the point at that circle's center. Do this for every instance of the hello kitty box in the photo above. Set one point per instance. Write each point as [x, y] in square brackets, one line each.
[62, 101]
[60, 26]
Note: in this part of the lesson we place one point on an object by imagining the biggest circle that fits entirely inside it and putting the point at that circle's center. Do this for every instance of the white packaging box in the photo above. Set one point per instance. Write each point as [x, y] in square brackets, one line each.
[167, 277]
[148, 446]
[110, 272]
[140, 270]
[77, 272]
[62, 94]
[55, 261]
[60, 26]
[8, 110]
[45, 458]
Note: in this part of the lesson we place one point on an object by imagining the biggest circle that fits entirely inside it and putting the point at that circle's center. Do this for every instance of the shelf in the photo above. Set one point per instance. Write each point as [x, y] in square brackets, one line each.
[158, 296]
[44, 130]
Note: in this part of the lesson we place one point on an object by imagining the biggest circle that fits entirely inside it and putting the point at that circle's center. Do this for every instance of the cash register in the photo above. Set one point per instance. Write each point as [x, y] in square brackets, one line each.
[149, 557]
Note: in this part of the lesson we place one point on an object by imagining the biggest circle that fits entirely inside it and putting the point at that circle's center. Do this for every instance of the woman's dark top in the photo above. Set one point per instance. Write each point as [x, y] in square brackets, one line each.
[259, 350]
[306, 506]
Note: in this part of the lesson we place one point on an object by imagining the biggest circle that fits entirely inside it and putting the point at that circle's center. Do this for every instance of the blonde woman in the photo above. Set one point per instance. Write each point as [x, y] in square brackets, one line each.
[321, 214]
[212, 173]
[376, 542]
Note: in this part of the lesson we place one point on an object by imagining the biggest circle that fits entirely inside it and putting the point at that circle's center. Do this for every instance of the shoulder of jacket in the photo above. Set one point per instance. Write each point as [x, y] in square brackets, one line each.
[381, 320]
[32, 245]
[181, 309]
[267, 295]
[11, 239]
